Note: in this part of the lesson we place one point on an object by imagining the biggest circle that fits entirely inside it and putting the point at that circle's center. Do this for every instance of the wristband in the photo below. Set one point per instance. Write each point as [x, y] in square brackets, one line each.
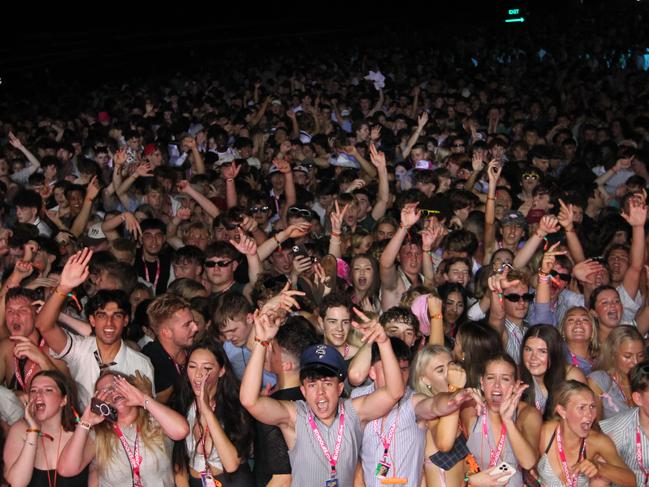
[84, 425]
[263, 343]
[335, 235]
[63, 295]
[229, 180]
[401, 225]
[279, 244]
[452, 388]
[436, 316]
[426, 250]
[491, 198]
[32, 430]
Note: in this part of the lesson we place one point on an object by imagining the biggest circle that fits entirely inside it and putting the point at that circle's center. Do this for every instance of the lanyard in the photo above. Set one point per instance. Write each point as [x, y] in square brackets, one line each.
[206, 455]
[638, 455]
[179, 368]
[157, 272]
[58, 454]
[24, 382]
[571, 480]
[346, 351]
[619, 386]
[494, 455]
[332, 459]
[386, 440]
[102, 365]
[134, 457]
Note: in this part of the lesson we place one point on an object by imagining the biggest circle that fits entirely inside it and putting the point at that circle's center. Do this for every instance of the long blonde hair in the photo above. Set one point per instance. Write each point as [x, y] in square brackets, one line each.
[593, 347]
[421, 361]
[106, 442]
[613, 342]
[564, 392]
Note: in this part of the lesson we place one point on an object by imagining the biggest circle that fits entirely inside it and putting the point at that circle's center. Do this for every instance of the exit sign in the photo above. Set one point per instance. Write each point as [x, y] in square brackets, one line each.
[514, 15]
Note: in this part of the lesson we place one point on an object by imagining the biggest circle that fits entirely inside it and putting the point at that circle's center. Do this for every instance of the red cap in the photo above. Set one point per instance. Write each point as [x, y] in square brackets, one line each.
[103, 117]
[150, 149]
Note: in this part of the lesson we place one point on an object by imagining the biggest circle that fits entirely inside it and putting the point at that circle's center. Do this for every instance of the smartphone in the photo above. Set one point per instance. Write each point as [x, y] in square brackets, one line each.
[300, 251]
[504, 467]
[103, 409]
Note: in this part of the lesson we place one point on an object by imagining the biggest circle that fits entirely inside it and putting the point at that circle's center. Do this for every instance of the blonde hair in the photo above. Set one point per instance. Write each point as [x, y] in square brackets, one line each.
[564, 392]
[593, 347]
[419, 365]
[613, 342]
[106, 442]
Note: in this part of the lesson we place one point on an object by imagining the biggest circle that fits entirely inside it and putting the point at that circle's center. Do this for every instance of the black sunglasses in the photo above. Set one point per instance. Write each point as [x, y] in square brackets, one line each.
[294, 211]
[515, 298]
[221, 263]
[561, 275]
[258, 209]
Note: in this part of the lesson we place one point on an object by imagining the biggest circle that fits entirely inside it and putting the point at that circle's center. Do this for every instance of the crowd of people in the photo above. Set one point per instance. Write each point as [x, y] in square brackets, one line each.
[364, 271]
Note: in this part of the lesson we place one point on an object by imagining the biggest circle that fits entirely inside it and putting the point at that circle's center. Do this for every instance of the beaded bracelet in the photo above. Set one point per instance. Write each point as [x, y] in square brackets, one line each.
[263, 343]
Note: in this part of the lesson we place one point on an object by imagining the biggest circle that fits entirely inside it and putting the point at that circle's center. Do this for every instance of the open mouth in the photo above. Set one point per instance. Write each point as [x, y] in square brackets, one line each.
[322, 405]
[362, 281]
[39, 406]
[496, 397]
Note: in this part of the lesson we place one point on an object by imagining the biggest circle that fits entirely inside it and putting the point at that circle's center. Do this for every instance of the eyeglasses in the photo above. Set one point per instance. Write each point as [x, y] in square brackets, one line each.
[258, 209]
[294, 211]
[515, 298]
[530, 176]
[221, 263]
[561, 275]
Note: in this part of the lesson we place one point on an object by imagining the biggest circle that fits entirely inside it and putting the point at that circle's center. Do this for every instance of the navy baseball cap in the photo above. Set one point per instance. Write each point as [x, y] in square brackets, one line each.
[324, 356]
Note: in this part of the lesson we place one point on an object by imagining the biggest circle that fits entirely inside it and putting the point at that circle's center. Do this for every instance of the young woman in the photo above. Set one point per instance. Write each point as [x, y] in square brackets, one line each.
[34, 444]
[621, 351]
[570, 444]
[454, 306]
[133, 450]
[509, 430]
[475, 342]
[580, 338]
[220, 434]
[365, 282]
[433, 371]
[543, 368]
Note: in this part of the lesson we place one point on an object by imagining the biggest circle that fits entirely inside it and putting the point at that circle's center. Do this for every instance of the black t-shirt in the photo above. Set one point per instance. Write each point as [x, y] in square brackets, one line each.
[150, 272]
[271, 451]
[165, 373]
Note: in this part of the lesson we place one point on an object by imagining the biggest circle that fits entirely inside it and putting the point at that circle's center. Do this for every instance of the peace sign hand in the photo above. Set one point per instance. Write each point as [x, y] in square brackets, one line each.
[371, 330]
[550, 257]
[337, 217]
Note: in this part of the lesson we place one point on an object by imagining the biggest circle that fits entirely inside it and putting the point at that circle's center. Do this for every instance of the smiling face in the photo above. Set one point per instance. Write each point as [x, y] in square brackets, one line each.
[47, 398]
[608, 308]
[202, 365]
[109, 322]
[459, 272]
[630, 353]
[20, 316]
[152, 241]
[578, 326]
[579, 413]
[336, 324]
[535, 356]
[497, 382]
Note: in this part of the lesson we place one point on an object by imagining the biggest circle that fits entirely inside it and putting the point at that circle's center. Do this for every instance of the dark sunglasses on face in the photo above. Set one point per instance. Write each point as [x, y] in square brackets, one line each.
[258, 209]
[221, 263]
[294, 211]
[515, 298]
[561, 275]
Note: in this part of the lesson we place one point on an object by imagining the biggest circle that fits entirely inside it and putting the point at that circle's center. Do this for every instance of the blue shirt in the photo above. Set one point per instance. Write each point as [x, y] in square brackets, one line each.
[239, 358]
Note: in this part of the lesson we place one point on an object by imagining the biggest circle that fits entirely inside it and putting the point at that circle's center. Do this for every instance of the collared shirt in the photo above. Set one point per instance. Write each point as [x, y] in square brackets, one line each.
[515, 336]
[79, 354]
[239, 358]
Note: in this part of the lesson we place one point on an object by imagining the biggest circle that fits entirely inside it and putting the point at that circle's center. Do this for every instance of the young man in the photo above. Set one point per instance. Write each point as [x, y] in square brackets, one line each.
[109, 313]
[336, 323]
[222, 260]
[402, 431]
[272, 463]
[232, 317]
[323, 432]
[28, 204]
[171, 319]
[153, 259]
[24, 352]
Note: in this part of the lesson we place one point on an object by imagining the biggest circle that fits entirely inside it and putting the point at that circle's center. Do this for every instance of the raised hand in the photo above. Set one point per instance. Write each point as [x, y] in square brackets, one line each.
[184, 214]
[25, 348]
[93, 188]
[30, 415]
[119, 159]
[498, 282]
[371, 330]
[183, 186]
[477, 162]
[510, 404]
[282, 165]
[76, 271]
[144, 169]
[549, 224]
[22, 269]
[585, 271]
[422, 120]
[285, 300]
[493, 171]
[246, 245]
[337, 217]
[377, 157]
[623, 163]
[249, 224]
[434, 305]
[410, 215]
[231, 171]
[266, 324]
[354, 185]
[456, 375]
[637, 215]
[15, 141]
[301, 264]
[133, 395]
[297, 230]
[550, 257]
[29, 251]
[133, 225]
[375, 133]
[566, 216]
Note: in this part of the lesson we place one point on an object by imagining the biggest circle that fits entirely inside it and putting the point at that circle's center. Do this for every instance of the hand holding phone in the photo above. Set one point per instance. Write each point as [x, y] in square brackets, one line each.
[504, 468]
[104, 409]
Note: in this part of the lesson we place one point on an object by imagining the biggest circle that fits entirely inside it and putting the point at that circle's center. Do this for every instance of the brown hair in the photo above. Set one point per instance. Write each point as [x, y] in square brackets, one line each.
[162, 309]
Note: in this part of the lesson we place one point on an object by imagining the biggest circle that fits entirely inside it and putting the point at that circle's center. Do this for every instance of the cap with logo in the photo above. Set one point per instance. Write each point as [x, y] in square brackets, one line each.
[514, 218]
[324, 356]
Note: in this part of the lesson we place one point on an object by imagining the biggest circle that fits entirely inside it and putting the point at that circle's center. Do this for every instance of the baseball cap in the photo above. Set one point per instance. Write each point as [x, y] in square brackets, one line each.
[95, 235]
[273, 170]
[424, 165]
[344, 160]
[324, 356]
[514, 218]
[150, 149]
[103, 117]
[301, 168]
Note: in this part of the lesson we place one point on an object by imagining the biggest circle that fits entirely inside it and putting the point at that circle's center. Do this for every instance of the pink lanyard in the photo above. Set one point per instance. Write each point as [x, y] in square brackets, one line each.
[332, 459]
[345, 351]
[494, 455]
[157, 272]
[638, 455]
[386, 441]
[571, 480]
[134, 457]
[24, 383]
[575, 362]
[619, 386]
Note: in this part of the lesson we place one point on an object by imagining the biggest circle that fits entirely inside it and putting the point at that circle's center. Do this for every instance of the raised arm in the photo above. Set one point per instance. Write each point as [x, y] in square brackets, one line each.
[81, 220]
[34, 166]
[199, 164]
[388, 269]
[549, 224]
[247, 246]
[637, 217]
[230, 173]
[383, 196]
[74, 274]
[296, 230]
[143, 170]
[382, 400]
[619, 165]
[421, 123]
[202, 200]
[498, 283]
[522, 432]
[337, 217]
[566, 220]
[493, 173]
[79, 451]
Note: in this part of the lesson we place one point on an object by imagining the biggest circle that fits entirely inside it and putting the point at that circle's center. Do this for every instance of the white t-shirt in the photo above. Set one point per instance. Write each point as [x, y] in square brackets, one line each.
[79, 354]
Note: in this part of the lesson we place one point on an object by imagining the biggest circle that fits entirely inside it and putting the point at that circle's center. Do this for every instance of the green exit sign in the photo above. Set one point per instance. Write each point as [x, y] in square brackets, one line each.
[514, 11]
[514, 15]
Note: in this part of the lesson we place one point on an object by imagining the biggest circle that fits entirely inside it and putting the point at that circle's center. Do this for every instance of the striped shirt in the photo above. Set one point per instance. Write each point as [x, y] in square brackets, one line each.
[622, 428]
[515, 336]
[406, 451]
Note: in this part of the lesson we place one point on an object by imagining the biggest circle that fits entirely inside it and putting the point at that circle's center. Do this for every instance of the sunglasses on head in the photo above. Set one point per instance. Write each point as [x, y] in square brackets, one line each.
[561, 275]
[221, 263]
[515, 298]
[426, 212]
[258, 209]
[295, 211]
[530, 175]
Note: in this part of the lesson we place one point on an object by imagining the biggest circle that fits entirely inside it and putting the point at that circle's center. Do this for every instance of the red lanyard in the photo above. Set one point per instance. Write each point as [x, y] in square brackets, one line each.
[205, 453]
[626, 399]
[157, 272]
[638, 455]
[134, 457]
[24, 383]
[494, 455]
[386, 440]
[47, 463]
[571, 480]
[332, 459]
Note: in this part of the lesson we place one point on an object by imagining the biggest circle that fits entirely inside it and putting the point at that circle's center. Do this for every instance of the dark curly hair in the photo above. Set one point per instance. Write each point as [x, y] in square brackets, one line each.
[236, 421]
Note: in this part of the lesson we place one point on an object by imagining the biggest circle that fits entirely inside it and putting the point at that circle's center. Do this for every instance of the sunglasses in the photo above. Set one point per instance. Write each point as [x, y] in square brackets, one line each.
[294, 211]
[426, 212]
[221, 263]
[530, 176]
[258, 209]
[515, 298]
[561, 275]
